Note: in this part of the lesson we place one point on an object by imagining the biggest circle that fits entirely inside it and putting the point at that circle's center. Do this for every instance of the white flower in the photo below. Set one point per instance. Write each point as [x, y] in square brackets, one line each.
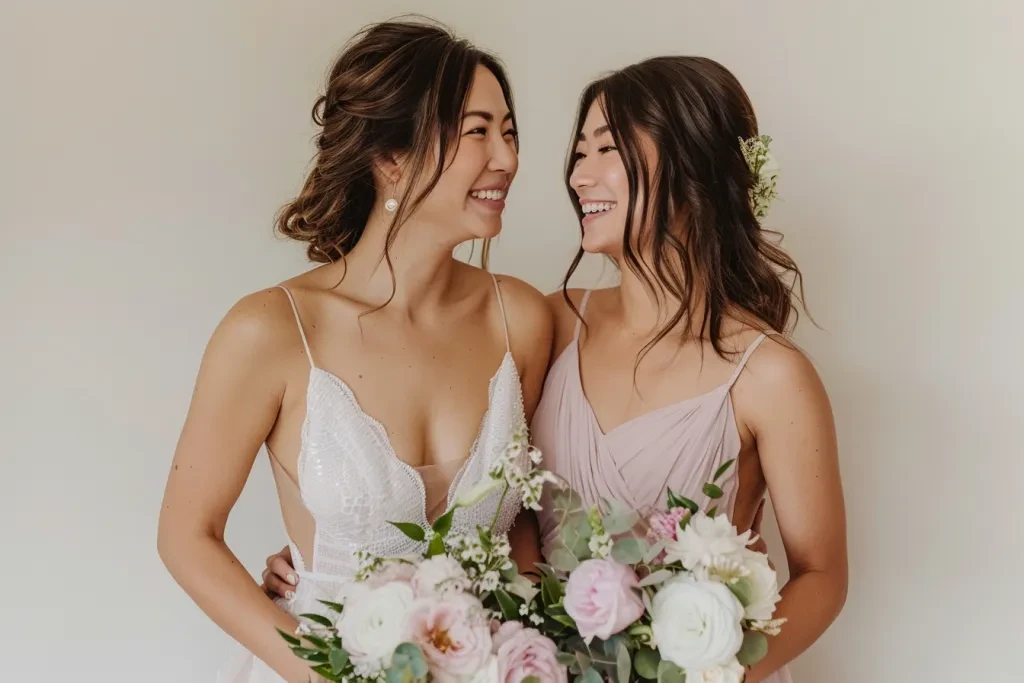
[696, 623]
[438, 575]
[522, 587]
[760, 586]
[600, 545]
[707, 541]
[374, 623]
[488, 673]
[481, 490]
[726, 673]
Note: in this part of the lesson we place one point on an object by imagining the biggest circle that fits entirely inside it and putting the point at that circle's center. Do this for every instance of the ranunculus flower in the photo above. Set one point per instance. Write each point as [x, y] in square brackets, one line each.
[602, 599]
[374, 623]
[762, 586]
[727, 673]
[696, 623]
[438, 575]
[524, 652]
[453, 633]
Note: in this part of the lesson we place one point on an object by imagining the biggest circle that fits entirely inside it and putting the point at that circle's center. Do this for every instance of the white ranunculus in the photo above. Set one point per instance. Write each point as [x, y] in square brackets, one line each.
[726, 673]
[761, 586]
[696, 623]
[706, 540]
[438, 575]
[374, 624]
[488, 673]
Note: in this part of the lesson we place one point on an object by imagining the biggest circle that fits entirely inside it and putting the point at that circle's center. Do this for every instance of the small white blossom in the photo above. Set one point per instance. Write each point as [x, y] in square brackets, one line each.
[536, 619]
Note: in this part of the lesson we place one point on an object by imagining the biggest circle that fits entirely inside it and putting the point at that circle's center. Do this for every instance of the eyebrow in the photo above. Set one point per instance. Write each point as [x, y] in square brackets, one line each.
[485, 115]
[598, 132]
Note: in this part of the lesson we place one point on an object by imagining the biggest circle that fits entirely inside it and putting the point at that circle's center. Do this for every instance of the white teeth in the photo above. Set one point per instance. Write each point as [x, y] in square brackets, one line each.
[597, 207]
[488, 194]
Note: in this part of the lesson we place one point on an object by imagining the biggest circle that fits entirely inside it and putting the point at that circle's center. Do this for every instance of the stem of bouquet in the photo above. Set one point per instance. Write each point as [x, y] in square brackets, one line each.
[497, 511]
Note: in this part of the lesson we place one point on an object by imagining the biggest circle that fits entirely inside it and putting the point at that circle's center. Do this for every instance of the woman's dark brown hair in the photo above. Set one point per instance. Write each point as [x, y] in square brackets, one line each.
[399, 87]
[695, 112]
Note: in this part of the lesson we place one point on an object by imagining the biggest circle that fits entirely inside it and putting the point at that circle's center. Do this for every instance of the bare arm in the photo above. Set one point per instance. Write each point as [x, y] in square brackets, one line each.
[790, 416]
[234, 406]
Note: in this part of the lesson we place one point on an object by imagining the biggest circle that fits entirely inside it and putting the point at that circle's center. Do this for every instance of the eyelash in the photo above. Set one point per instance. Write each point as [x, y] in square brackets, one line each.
[607, 148]
[483, 131]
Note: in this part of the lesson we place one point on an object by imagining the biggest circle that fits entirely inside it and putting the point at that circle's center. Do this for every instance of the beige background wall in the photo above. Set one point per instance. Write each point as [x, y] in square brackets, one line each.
[146, 145]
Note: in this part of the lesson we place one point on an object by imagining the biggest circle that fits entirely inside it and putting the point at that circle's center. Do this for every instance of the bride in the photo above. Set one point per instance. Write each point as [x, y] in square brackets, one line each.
[386, 380]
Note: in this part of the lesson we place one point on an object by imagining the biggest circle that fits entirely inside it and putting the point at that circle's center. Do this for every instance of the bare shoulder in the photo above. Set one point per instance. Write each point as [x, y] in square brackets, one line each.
[564, 316]
[529, 318]
[259, 328]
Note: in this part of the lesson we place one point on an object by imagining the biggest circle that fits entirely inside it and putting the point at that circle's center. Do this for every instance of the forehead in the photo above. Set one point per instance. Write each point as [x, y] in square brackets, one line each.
[594, 125]
[485, 94]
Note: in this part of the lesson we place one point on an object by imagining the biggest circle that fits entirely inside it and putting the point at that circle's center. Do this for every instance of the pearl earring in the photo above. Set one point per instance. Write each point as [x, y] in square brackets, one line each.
[391, 205]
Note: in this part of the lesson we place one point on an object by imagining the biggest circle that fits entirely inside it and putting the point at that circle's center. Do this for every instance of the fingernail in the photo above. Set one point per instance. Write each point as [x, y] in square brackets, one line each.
[292, 579]
[289, 595]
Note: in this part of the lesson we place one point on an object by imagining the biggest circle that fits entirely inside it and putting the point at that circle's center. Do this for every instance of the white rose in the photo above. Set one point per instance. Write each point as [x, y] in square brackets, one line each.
[696, 624]
[374, 624]
[760, 586]
[727, 673]
[706, 540]
[438, 575]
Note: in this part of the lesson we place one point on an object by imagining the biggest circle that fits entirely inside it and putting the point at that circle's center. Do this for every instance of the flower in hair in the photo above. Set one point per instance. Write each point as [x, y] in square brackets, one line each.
[766, 172]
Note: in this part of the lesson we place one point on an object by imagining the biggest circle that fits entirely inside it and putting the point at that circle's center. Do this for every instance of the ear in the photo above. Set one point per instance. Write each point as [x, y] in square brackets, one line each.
[389, 168]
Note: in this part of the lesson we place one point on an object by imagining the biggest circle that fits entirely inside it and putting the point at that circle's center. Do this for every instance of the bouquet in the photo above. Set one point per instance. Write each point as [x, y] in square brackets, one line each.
[675, 595]
[459, 612]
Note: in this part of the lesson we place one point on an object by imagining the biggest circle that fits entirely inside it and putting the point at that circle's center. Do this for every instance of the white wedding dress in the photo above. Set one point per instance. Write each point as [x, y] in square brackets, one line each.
[351, 484]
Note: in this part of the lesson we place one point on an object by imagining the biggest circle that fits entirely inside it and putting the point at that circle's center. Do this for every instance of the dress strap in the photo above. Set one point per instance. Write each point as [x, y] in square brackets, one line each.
[504, 320]
[298, 321]
[746, 356]
[582, 310]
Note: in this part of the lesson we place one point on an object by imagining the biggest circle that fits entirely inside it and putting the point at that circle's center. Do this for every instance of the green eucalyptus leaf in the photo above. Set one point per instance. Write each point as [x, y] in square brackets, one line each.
[657, 577]
[713, 491]
[754, 648]
[338, 660]
[531, 679]
[669, 673]
[655, 550]
[743, 589]
[722, 469]
[590, 675]
[413, 531]
[563, 560]
[623, 665]
[646, 663]
[628, 550]
[565, 658]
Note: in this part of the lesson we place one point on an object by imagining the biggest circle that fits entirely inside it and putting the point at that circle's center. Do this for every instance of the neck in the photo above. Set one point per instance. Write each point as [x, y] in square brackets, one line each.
[423, 265]
[645, 312]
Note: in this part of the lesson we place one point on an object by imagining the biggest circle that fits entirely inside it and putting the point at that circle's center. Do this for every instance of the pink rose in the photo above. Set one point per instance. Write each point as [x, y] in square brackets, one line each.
[601, 597]
[390, 572]
[453, 633]
[438, 575]
[524, 652]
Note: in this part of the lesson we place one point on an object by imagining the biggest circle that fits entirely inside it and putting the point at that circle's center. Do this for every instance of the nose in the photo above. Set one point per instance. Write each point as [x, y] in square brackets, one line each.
[504, 158]
[581, 177]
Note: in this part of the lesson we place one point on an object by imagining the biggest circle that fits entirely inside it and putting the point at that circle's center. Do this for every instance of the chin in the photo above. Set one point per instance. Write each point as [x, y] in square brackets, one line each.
[601, 244]
[487, 230]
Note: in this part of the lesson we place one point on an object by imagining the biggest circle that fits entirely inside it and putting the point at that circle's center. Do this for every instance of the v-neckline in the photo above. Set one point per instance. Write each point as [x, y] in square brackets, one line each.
[385, 439]
[574, 346]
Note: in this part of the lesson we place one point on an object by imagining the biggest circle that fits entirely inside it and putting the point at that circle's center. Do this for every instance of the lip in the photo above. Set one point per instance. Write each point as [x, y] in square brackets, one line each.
[591, 217]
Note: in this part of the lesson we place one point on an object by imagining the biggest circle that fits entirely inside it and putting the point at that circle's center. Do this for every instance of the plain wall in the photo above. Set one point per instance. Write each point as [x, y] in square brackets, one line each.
[145, 146]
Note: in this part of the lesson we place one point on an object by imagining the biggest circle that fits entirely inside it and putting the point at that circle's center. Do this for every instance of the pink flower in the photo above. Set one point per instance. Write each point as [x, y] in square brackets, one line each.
[524, 652]
[390, 572]
[453, 633]
[438, 575]
[664, 524]
[601, 597]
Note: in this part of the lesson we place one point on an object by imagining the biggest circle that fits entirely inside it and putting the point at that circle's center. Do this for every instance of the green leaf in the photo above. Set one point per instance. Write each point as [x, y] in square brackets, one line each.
[563, 560]
[564, 620]
[509, 607]
[314, 656]
[290, 639]
[531, 679]
[318, 619]
[713, 491]
[723, 469]
[712, 512]
[628, 551]
[443, 524]
[338, 660]
[646, 663]
[657, 577]
[669, 673]
[620, 520]
[551, 590]
[333, 605]
[754, 648]
[413, 531]
[436, 547]
[325, 671]
[512, 572]
[743, 590]
[677, 501]
[318, 643]
[622, 663]
[590, 675]
[565, 658]
[655, 550]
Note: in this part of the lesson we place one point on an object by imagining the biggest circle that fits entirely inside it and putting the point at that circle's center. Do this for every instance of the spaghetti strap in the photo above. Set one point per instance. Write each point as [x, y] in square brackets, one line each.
[746, 356]
[504, 320]
[298, 322]
[583, 310]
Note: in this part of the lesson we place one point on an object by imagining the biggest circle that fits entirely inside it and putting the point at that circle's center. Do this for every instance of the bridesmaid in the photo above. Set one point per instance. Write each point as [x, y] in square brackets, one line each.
[681, 367]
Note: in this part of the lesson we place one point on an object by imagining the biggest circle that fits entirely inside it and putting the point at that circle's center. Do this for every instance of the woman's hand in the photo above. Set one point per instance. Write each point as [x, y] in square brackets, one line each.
[279, 578]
